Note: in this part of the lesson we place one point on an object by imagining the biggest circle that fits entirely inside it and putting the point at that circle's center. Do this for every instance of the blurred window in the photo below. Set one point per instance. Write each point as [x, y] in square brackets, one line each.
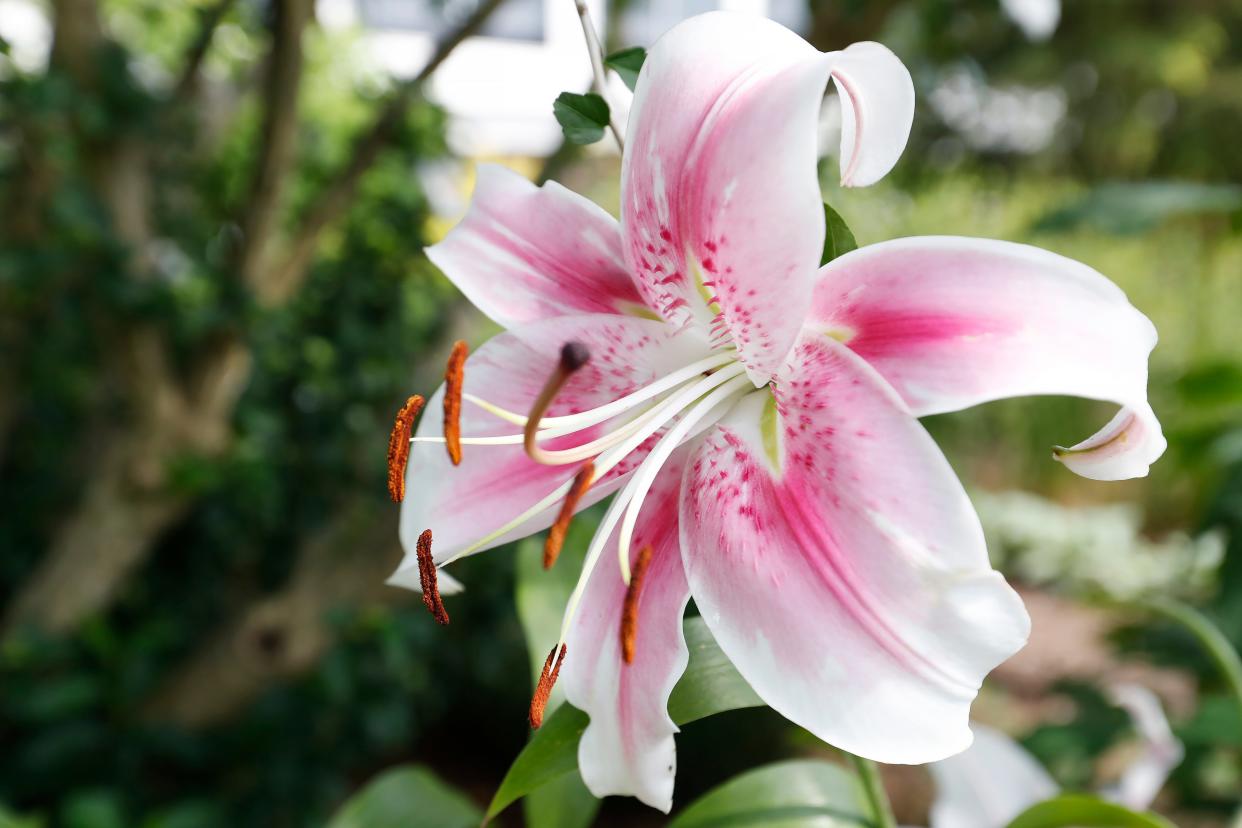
[514, 20]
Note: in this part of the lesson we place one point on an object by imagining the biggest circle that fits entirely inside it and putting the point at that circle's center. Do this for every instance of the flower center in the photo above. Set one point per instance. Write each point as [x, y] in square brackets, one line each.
[673, 409]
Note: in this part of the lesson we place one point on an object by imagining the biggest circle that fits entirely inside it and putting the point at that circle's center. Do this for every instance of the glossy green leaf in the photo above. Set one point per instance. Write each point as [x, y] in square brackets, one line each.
[541, 597]
[1081, 811]
[627, 63]
[1127, 208]
[710, 685]
[802, 793]
[838, 240]
[583, 118]
[406, 796]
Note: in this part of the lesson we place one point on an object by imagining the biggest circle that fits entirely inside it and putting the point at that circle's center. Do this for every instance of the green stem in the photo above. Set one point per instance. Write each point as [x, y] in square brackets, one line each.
[873, 789]
[1213, 642]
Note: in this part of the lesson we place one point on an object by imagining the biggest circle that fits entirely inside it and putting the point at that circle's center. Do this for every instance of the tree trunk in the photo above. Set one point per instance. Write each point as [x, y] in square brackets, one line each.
[285, 634]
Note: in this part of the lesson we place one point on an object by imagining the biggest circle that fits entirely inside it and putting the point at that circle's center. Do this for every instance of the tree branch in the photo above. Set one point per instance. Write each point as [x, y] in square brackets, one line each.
[283, 635]
[278, 148]
[208, 21]
[333, 201]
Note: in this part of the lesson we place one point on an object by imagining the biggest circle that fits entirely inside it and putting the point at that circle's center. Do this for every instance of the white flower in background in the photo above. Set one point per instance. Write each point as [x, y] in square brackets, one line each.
[1037, 19]
[996, 779]
[24, 25]
[1093, 548]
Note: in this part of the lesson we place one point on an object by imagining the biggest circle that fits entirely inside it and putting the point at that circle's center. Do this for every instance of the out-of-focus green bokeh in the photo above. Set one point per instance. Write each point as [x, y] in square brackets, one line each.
[212, 303]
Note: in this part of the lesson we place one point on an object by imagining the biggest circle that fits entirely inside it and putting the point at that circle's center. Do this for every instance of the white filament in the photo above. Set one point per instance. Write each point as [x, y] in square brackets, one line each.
[645, 477]
[608, 460]
[713, 404]
[604, 412]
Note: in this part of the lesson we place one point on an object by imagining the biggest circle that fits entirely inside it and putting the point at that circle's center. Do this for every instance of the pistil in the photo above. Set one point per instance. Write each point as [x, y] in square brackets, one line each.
[574, 355]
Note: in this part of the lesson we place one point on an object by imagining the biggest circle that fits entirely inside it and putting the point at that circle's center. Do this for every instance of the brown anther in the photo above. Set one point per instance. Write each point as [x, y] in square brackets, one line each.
[556, 535]
[427, 578]
[629, 610]
[454, 374]
[574, 355]
[543, 689]
[399, 447]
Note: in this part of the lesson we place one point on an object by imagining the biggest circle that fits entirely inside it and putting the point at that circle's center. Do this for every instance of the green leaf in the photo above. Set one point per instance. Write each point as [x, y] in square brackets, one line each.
[1127, 208]
[404, 795]
[838, 240]
[583, 118]
[1209, 636]
[562, 803]
[541, 596]
[627, 63]
[1080, 811]
[795, 794]
[710, 685]
[550, 754]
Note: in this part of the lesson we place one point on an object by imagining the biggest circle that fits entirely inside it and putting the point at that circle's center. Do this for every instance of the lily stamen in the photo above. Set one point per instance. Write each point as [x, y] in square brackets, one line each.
[543, 689]
[454, 376]
[613, 456]
[556, 535]
[629, 610]
[611, 409]
[427, 578]
[399, 446]
[574, 355]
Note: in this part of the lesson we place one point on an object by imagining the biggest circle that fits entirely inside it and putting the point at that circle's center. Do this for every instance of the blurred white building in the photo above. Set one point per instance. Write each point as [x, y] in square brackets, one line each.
[499, 86]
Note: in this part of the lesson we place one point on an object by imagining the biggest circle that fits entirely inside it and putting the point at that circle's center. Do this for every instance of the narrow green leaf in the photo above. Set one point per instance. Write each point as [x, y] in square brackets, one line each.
[1209, 636]
[1081, 811]
[404, 795]
[793, 794]
[627, 63]
[710, 685]
[541, 597]
[550, 754]
[583, 118]
[838, 240]
[562, 803]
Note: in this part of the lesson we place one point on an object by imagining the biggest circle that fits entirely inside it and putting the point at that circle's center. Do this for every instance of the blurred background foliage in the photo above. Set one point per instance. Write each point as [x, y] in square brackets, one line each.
[213, 298]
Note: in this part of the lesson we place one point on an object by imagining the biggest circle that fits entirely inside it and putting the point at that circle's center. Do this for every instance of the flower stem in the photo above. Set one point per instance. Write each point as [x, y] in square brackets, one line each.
[597, 66]
[873, 789]
[1209, 637]
[1214, 643]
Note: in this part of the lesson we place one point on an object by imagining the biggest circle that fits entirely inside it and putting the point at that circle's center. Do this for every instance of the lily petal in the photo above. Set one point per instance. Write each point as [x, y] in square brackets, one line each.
[840, 566]
[877, 111]
[721, 217]
[628, 747]
[988, 784]
[407, 577]
[496, 484]
[954, 322]
[524, 252]
[1162, 752]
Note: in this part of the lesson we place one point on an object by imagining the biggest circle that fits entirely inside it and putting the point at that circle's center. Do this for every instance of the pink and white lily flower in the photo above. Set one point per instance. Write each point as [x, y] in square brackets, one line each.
[757, 415]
